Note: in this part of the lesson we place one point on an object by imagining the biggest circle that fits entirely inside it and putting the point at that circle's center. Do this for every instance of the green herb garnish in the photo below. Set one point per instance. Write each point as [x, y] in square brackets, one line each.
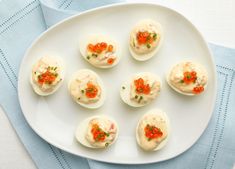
[95, 55]
[141, 97]
[154, 36]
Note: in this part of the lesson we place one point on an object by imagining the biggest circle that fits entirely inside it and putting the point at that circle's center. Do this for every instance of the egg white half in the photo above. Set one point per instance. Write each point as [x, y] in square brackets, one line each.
[147, 56]
[156, 112]
[93, 39]
[100, 102]
[125, 93]
[81, 131]
[176, 89]
[37, 89]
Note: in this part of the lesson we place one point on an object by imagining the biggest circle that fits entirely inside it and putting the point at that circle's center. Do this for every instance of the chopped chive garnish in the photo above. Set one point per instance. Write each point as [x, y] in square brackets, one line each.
[154, 36]
[136, 97]
[88, 57]
[188, 76]
[95, 55]
[141, 97]
[148, 46]
[123, 87]
[106, 144]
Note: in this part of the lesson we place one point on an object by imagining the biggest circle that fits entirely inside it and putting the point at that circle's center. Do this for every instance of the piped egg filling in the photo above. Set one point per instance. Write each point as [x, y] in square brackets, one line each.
[188, 78]
[46, 75]
[101, 54]
[144, 89]
[152, 130]
[85, 88]
[145, 39]
[101, 132]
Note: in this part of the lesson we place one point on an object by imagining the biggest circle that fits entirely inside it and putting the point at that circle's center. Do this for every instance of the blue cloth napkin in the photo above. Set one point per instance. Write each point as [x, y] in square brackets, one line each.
[21, 21]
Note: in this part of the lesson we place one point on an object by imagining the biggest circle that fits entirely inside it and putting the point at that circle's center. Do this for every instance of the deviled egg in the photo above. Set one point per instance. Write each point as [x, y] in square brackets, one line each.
[153, 130]
[145, 39]
[140, 89]
[87, 89]
[188, 78]
[100, 51]
[47, 75]
[97, 132]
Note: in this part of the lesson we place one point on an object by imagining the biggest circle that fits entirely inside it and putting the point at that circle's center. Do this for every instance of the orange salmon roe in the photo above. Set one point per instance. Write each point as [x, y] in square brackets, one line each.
[198, 89]
[91, 90]
[98, 133]
[145, 37]
[190, 77]
[46, 77]
[152, 132]
[141, 87]
[110, 61]
[100, 47]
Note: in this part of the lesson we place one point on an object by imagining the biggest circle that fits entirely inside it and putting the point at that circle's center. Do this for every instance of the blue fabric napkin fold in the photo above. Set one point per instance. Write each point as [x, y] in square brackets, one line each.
[22, 21]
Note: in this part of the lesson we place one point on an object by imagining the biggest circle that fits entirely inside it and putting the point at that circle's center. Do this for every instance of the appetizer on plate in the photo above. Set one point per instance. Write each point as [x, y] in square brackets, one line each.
[140, 89]
[47, 75]
[97, 132]
[145, 39]
[152, 131]
[87, 89]
[100, 51]
[188, 78]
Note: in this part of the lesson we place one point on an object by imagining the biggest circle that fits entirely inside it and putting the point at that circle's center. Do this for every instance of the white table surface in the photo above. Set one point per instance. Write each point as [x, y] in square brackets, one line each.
[214, 18]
